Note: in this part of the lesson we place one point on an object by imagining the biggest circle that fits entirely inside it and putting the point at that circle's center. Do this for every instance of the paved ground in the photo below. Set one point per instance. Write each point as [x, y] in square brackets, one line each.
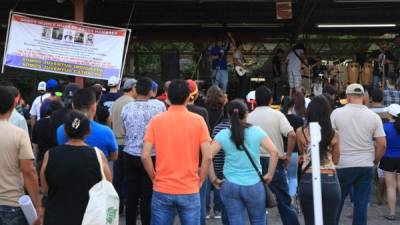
[375, 216]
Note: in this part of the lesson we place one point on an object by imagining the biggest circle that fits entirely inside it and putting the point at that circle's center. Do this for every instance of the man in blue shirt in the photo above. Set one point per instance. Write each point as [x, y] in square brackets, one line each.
[100, 136]
[219, 74]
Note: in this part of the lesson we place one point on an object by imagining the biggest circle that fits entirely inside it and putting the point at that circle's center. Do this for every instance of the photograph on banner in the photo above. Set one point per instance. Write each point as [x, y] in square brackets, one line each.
[65, 47]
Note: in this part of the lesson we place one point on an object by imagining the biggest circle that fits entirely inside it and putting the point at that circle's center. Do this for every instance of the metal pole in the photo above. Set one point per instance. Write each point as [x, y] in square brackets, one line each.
[80, 17]
[315, 133]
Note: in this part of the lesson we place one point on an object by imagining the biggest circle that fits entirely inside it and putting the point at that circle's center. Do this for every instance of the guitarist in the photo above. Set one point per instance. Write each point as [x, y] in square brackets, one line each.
[295, 58]
[238, 60]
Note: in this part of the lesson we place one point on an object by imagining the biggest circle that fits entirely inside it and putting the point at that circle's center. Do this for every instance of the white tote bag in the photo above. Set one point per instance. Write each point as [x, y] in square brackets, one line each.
[103, 205]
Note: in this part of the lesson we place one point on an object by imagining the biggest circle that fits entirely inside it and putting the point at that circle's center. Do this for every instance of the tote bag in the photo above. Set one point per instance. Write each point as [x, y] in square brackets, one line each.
[103, 205]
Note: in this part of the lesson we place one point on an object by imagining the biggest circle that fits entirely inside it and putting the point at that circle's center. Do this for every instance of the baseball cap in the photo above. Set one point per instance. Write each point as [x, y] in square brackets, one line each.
[113, 81]
[129, 84]
[41, 86]
[98, 87]
[51, 84]
[70, 90]
[394, 110]
[355, 89]
[154, 86]
[192, 87]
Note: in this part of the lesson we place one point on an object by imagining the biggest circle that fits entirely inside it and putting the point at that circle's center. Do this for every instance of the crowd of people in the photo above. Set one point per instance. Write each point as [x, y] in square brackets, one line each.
[164, 152]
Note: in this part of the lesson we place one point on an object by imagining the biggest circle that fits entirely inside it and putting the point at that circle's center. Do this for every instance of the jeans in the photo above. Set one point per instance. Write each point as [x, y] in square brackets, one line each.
[238, 198]
[165, 206]
[216, 199]
[220, 78]
[279, 187]
[292, 174]
[331, 196]
[140, 187]
[360, 178]
[11, 216]
[243, 86]
[119, 180]
[203, 201]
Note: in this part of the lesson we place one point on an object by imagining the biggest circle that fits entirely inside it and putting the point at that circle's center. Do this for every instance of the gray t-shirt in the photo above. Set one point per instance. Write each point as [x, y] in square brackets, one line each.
[274, 123]
[357, 127]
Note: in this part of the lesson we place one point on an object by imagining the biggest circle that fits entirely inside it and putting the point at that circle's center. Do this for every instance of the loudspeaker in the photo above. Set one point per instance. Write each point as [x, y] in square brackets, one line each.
[169, 66]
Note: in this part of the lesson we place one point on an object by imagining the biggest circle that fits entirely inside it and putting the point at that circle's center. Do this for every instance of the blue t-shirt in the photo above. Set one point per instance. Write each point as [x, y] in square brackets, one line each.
[221, 62]
[393, 141]
[100, 136]
[237, 167]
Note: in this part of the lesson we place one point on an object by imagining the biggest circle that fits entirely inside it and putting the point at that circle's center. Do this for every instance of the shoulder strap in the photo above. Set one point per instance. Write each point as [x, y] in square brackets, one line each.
[103, 176]
[253, 163]
[301, 59]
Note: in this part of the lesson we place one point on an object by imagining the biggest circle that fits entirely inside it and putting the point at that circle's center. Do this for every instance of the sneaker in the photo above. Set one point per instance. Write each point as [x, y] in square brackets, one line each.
[217, 215]
[208, 216]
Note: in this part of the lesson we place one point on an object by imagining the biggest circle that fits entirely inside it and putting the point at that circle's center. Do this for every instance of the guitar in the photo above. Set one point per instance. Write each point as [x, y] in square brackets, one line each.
[241, 71]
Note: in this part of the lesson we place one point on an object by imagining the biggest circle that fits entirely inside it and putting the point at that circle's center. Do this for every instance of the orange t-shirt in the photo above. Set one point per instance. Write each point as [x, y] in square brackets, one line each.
[176, 136]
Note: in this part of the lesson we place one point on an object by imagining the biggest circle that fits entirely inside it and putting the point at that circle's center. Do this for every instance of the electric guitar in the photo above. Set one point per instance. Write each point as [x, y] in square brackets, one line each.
[241, 71]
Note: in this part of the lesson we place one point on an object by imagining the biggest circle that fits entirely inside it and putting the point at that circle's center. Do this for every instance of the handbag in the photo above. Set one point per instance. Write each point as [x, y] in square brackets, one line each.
[271, 201]
[103, 204]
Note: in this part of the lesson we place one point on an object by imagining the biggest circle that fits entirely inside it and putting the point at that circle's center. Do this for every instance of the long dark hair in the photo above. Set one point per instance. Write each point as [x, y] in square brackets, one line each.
[286, 103]
[397, 123]
[299, 104]
[215, 98]
[237, 110]
[319, 111]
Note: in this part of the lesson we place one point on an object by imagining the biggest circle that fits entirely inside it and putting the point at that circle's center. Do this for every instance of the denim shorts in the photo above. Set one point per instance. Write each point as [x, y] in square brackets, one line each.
[11, 216]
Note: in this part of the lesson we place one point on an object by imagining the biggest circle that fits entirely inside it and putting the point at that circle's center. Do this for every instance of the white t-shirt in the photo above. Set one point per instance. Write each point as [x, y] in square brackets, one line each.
[274, 123]
[357, 127]
[37, 103]
[294, 63]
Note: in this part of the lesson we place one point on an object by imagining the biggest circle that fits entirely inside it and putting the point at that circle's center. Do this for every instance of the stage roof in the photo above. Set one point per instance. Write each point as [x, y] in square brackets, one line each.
[208, 19]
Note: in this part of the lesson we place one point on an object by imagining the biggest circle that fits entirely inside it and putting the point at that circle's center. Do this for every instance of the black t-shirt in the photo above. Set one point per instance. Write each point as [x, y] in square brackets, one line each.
[276, 63]
[215, 116]
[375, 55]
[42, 136]
[200, 111]
[296, 122]
[57, 119]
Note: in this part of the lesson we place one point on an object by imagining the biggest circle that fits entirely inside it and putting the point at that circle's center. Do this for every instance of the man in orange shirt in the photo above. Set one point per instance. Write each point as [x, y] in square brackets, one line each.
[177, 135]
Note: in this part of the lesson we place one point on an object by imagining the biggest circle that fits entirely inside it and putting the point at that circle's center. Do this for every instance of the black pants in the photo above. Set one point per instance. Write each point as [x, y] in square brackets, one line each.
[243, 86]
[140, 190]
[331, 196]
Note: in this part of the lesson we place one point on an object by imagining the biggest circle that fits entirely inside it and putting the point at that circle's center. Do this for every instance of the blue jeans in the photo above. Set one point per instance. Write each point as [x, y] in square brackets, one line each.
[165, 206]
[11, 216]
[279, 187]
[375, 81]
[203, 195]
[360, 178]
[217, 198]
[220, 78]
[238, 198]
[292, 174]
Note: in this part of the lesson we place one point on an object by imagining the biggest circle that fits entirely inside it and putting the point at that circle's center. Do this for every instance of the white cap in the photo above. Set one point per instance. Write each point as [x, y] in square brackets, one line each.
[41, 86]
[393, 109]
[113, 81]
[251, 96]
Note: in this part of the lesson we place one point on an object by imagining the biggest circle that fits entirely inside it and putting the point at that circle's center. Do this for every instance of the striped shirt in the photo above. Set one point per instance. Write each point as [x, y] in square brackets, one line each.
[391, 96]
[219, 158]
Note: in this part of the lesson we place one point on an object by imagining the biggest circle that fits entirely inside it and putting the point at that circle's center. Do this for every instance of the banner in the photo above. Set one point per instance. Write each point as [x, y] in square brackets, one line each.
[69, 48]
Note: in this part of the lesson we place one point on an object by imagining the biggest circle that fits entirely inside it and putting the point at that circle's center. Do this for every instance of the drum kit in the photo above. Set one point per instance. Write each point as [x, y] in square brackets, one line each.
[340, 75]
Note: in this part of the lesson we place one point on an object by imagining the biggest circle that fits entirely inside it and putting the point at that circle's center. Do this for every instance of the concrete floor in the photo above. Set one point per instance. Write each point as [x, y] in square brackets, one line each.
[376, 215]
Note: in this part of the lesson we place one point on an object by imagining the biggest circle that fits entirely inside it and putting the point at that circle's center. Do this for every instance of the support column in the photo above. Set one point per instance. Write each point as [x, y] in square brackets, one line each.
[80, 17]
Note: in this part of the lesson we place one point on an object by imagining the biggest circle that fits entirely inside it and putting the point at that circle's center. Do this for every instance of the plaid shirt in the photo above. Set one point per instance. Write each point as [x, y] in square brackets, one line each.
[391, 96]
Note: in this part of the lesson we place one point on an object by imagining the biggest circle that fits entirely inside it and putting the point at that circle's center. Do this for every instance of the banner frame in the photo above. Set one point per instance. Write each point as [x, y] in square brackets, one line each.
[85, 24]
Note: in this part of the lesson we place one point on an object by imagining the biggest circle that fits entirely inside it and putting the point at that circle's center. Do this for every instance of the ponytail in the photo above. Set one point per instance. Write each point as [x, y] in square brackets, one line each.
[237, 111]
